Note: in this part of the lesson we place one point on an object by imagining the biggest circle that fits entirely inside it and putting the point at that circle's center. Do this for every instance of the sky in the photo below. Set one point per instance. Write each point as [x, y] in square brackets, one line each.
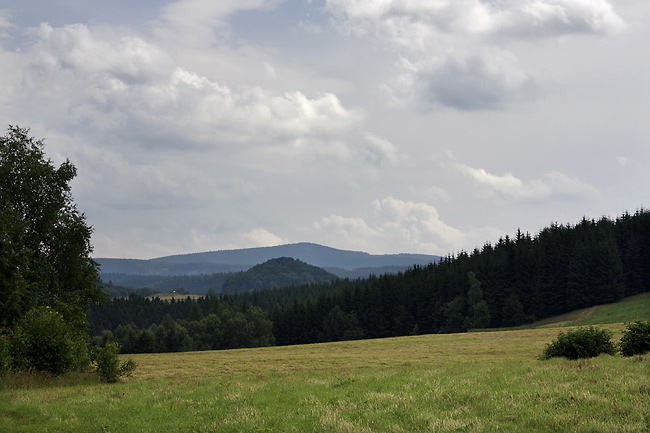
[385, 126]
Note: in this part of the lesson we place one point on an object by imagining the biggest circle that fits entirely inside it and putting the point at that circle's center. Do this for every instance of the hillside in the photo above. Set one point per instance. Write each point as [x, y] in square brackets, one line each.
[283, 271]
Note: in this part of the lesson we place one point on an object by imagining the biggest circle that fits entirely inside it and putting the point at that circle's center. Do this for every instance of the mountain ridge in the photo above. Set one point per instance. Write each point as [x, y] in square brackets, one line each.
[243, 259]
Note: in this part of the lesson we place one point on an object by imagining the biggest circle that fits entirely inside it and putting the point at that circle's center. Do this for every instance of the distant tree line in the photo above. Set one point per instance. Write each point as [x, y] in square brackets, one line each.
[515, 281]
[197, 284]
[151, 325]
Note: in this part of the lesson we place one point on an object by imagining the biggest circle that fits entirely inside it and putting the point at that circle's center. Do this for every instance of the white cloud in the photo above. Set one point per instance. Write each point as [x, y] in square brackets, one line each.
[349, 230]
[553, 184]
[395, 226]
[261, 237]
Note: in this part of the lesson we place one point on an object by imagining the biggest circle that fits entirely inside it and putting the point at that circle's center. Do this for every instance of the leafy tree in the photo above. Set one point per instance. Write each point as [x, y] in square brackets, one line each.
[44, 240]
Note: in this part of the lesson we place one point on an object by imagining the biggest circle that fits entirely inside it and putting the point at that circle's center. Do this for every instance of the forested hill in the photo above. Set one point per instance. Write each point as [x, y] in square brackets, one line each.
[516, 280]
[283, 271]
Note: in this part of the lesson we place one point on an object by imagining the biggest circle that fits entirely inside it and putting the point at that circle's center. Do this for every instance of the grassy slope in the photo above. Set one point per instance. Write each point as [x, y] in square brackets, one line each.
[627, 310]
[474, 382]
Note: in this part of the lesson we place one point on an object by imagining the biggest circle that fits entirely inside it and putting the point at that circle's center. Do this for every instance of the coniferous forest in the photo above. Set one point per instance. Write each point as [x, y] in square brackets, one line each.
[515, 281]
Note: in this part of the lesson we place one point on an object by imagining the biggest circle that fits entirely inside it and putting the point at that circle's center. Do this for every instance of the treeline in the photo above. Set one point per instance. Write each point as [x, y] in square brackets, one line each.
[113, 291]
[197, 284]
[152, 325]
[515, 281]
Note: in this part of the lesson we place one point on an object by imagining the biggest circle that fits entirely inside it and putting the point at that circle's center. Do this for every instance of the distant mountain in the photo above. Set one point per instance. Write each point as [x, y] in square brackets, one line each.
[280, 272]
[243, 259]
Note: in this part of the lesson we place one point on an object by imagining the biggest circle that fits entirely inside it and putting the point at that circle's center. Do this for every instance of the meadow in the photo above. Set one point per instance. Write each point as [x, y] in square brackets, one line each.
[472, 382]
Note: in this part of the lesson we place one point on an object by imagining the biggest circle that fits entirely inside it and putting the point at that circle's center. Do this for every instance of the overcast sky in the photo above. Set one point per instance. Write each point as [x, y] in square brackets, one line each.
[387, 126]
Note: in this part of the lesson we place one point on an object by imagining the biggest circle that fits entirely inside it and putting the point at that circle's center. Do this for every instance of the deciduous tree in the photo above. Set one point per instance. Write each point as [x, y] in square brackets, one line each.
[44, 240]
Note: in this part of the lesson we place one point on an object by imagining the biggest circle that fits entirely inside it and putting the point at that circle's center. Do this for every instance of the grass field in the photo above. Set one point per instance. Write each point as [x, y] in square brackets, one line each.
[473, 382]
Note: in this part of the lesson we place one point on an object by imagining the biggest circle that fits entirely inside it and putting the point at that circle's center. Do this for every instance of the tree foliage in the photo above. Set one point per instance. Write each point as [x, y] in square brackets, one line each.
[44, 240]
[47, 278]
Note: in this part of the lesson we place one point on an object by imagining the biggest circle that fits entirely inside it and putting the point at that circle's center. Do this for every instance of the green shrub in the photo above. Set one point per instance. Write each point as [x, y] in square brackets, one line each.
[636, 338]
[580, 343]
[107, 363]
[43, 341]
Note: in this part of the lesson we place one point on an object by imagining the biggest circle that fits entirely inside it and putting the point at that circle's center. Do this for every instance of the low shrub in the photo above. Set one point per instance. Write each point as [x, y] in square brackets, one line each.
[580, 343]
[636, 339]
[107, 363]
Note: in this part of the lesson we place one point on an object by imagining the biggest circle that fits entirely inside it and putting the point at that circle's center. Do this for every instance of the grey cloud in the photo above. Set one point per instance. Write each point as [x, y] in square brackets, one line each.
[484, 81]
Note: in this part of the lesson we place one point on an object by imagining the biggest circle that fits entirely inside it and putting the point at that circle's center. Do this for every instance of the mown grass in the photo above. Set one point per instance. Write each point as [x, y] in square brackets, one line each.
[473, 382]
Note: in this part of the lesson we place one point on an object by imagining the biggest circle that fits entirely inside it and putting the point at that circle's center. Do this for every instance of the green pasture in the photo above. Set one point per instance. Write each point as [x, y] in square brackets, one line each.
[471, 382]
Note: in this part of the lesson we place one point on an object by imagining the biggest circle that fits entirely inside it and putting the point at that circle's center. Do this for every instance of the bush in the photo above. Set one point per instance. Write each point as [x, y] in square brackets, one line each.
[636, 339]
[580, 343]
[43, 341]
[107, 363]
